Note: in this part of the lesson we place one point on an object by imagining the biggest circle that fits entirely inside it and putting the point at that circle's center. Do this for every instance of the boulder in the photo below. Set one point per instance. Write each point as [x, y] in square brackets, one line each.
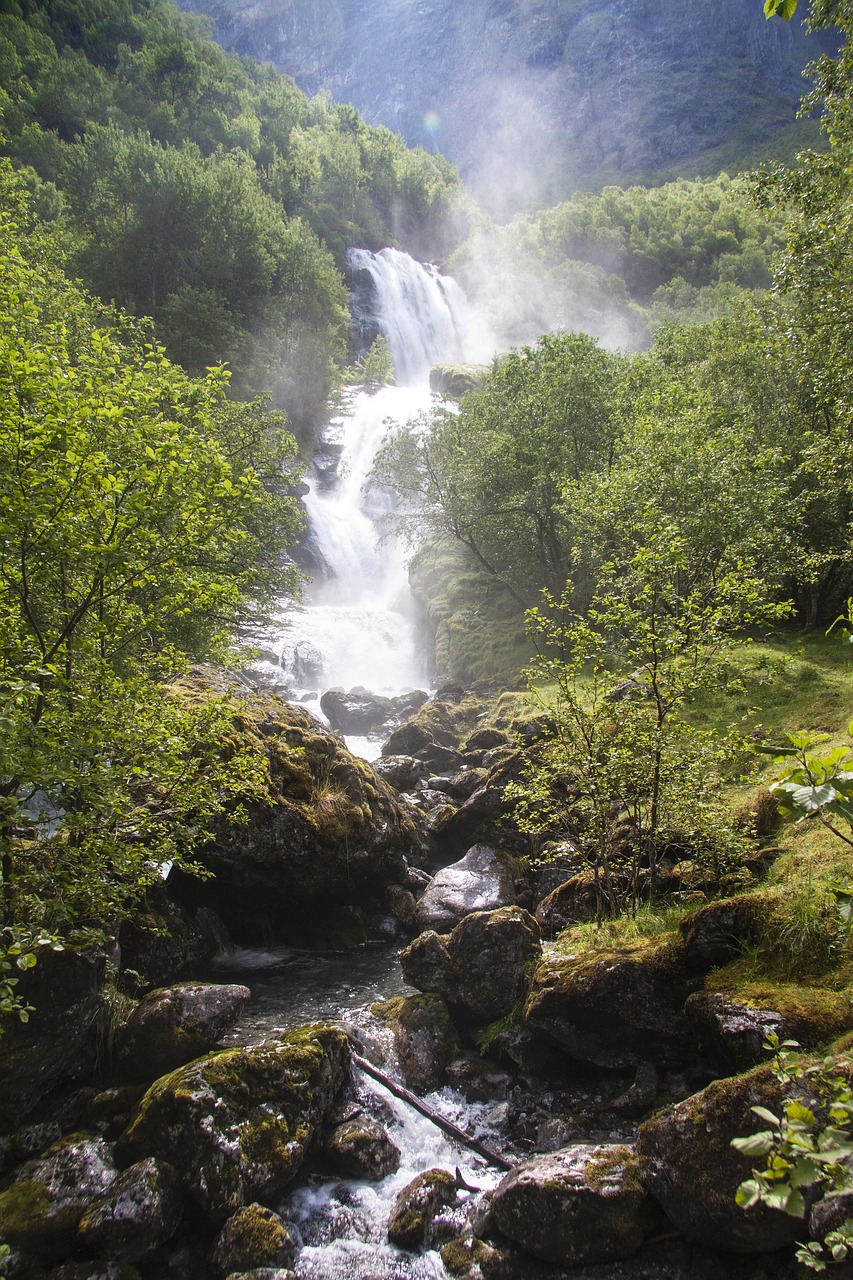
[327, 830]
[401, 772]
[358, 711]
[572, 902]
[162, 939]
[615, 1006]
[424, 1037]
[41, 1209]
[715, 934]
[408, 740]
[417, 1206]
[481, 881]
[461, 785]
[688, 1164]
[360, 1148]
[173, 1025]
[252, 1238]
[732, 1028]
[426, 963]
[580, 1205]
[236, 1125]
[478, 1079]
[58, 1043]
[140, 1211]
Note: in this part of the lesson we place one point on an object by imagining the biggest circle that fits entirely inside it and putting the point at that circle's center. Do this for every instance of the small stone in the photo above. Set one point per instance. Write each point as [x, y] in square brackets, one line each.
[418, 1205]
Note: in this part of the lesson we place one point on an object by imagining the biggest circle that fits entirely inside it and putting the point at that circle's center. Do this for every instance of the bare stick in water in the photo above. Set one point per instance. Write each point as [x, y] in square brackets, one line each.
[449, 1128]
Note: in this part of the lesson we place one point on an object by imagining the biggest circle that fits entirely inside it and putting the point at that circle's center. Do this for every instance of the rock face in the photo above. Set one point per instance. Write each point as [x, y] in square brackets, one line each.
[139, 1212]
[42, 1208]
[328, 831]
[236, 1125]
[581, 1205]
[689, 1165]
[58, 1042]
[481, 881]
[173, 1025]
[483, 967]
[424, 1037]
[615, 1007]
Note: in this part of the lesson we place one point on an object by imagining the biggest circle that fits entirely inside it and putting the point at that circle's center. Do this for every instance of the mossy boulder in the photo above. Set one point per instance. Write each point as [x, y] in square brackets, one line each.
[236, 1125]
[481, 881]
[140, 1211]
[417, 1206]
[572, 902]
[162, 940]
[688, 1164]
[253, 1237]
[581, 1205]
[59, 1042]
[733, 1025]
[424, 1037]
[483, 967]
[173, 1025]
[41, 1209]
[615, 1006]
[456, 380]
[714, 934]
[326, 830]
[360, 1148]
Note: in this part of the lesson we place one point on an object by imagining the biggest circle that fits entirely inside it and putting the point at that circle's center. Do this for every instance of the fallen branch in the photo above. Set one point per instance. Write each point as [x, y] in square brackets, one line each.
[449, 1128]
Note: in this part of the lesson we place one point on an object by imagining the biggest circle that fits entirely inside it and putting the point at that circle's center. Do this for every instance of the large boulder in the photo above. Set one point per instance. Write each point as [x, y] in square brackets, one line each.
[688, 1163]
[580, 1205]
[424, 1037]
[614, 1006]
[481, 881]
[327, 830]
[358, 711]
[59, 1041]
[732, 1028]
[140, 1211]
[41, 1209]
[715, 934]
[572, 902]
[237, 1125]
[483, 967]
[173, 1025]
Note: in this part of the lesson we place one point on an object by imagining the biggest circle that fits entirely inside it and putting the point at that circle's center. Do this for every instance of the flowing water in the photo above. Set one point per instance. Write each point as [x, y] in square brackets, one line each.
[358, 624]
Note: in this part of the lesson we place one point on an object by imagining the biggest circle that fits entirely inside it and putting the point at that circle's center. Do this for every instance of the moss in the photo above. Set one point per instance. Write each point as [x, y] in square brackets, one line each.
[812, 1015]
[22, 1207]
[612, 1167]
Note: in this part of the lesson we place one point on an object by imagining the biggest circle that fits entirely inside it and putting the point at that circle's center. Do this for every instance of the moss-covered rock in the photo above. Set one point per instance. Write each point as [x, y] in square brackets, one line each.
[616, 1005]
[716, 933]
[173, 1025]
[236, 1125]
[41, 1209]
[424, 1037]
[688, 1164]
[253, 1237]
[327, 829]
[572, 902]
[417, 1206]
[140, 1211]
[360, 1148]
[733, 1025]
[581, 1205]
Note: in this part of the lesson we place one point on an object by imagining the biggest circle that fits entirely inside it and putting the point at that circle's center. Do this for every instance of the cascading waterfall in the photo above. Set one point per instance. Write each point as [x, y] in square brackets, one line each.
[358, 624]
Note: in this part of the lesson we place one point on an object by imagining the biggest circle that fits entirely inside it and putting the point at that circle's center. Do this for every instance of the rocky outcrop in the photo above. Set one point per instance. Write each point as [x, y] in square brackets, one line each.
[173, 1025]
[615, 1006]
[688, 1164]
[483, 968]
[581, 1205]
[236, 1125]
[424, 1037]
[481, 881]
[140, 1211]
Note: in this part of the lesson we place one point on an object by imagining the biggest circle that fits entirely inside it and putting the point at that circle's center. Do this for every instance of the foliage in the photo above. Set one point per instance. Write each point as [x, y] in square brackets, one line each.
[377, 366]
[807, 1147]
[136, 529]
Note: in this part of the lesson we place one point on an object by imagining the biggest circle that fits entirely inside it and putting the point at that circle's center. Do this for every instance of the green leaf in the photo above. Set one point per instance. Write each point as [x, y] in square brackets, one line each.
[780, 9]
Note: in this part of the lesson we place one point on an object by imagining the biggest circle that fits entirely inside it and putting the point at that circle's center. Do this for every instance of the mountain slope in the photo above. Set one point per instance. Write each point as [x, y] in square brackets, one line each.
[534, 98]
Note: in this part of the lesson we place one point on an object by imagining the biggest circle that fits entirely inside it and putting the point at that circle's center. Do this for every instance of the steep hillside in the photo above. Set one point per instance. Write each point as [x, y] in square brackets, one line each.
[534, 98]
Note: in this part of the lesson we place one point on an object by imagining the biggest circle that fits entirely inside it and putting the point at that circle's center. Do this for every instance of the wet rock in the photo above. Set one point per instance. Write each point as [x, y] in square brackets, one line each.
[402, 904]
[41, 1209]
[492, 954]
[140, 1211]
[408, 740]
[360, 1148]
[640, 1096]
[572, 902]
[58, 1043]
[236, 1125]
[424, 1037]
[715, 934]
[477, 1079]
[417, 1206]
[426, 963]
[615, 1006]
[173, 1025]
[358, 711]
[730, 1034]
[688, 1164]
[581, 1205]
[254, 1237]
[481, 881]
[401, 772]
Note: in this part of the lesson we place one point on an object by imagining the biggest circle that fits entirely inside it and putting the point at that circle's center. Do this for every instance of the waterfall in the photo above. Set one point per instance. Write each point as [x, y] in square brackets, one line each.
[358, 623]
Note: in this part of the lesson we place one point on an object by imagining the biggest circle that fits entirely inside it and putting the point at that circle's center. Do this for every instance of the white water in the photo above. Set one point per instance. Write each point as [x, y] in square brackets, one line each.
[358, 624]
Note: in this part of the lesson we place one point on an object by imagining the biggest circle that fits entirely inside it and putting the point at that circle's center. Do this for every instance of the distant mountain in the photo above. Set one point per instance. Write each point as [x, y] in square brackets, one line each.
[535, 98]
